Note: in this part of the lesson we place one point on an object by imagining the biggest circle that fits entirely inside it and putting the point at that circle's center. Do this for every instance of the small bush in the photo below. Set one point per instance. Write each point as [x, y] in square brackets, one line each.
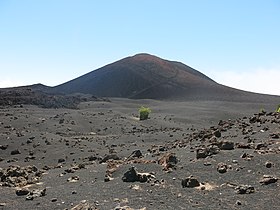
[144, 113]
[278, 108]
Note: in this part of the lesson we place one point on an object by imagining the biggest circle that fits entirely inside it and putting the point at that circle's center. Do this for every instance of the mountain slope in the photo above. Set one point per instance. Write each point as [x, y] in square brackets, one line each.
[147, 76]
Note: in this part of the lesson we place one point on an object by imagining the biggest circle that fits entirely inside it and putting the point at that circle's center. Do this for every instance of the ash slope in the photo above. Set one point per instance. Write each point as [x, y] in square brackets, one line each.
[144, 76]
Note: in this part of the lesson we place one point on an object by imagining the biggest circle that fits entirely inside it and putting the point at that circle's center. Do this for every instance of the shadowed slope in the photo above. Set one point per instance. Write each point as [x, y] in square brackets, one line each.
[147, 76]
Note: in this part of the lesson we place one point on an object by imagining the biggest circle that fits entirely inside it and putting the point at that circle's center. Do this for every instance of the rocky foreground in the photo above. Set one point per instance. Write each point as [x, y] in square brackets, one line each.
[102, 157]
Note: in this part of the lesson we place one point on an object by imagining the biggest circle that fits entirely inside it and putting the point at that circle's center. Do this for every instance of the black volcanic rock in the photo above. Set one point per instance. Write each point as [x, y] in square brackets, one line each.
[147, 76]
[190, 182]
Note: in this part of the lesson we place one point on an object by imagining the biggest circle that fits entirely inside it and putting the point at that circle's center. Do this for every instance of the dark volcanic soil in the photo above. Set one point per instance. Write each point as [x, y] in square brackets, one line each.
[145, 76]
[187, 155]
[37, 95]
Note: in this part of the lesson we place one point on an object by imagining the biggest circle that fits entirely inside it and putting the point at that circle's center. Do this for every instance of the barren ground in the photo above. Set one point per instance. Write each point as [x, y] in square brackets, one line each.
[77, 158]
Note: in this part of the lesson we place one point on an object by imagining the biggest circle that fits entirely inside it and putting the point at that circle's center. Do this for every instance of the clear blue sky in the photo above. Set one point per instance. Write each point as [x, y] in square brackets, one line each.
[235, 42]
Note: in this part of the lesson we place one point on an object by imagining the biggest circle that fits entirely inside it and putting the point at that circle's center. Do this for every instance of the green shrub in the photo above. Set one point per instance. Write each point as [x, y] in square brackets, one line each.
[278, 108]
[144, 113]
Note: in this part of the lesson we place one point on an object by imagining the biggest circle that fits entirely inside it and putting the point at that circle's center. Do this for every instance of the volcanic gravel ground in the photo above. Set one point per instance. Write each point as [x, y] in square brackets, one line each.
[187, 155]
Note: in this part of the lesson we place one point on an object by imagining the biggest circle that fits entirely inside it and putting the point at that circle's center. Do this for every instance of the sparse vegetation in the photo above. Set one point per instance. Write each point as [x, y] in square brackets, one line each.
[144, 113]
[278, 108]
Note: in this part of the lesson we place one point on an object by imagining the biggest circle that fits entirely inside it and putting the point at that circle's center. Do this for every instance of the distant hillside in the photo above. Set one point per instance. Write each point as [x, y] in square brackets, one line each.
[147, 76]
[38, 95]
[34, 87]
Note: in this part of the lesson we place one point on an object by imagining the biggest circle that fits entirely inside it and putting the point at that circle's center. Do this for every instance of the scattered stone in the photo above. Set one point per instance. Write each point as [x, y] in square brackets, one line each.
[46, 168]
[133, 176]
[238, 203]
[268, 164]
[222, 168]
[53, 199]
[127, 208]
[79, 166]
[203, 188]
[226, 145]
[22, 192]
[246, 156]
[70, 170]
[168, 160]
[73, 179]
[19, 134]
[135, 187]
[208, 151]
[207, 163]
[61, 160]
[29, 141]
[15, 152]
[162, 148]
[48, 142]
[110, 157]
[38, 193]
[93, 158]
[16, 176]
[217, 133]
[253, 119]
[241, 145]
[268, 179]
[260, 146]
[108, 178]
[29, 198]
[274, 135]
[136, 154]
[245, 189]
[4, 147]
[190, 182]
[84, 205]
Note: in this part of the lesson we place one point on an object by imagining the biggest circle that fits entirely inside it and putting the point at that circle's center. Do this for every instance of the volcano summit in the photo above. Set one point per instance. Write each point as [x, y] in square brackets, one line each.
[147, 76]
